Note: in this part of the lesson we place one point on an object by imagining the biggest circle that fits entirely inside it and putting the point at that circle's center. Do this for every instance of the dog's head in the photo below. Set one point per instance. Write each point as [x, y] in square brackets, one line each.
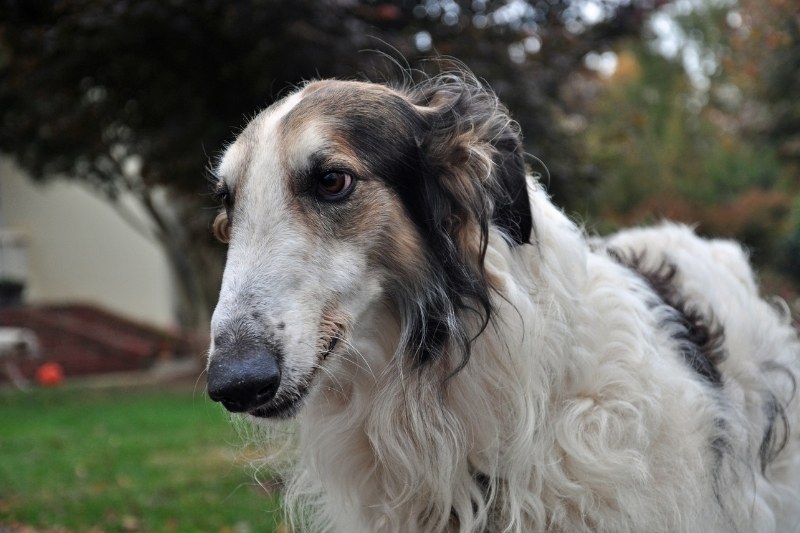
[345, 196]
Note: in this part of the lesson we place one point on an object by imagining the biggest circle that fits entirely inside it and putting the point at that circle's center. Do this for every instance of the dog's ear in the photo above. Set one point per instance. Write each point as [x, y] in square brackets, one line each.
[473, 152]
[512, 206]
[471, 175]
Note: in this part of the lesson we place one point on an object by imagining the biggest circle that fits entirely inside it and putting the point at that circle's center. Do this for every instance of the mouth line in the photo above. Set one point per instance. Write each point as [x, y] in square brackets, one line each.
[331, 331]
[285, 407]
[331, 346]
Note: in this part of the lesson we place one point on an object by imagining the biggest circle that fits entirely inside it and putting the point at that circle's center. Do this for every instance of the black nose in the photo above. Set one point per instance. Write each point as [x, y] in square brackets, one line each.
[243, 381]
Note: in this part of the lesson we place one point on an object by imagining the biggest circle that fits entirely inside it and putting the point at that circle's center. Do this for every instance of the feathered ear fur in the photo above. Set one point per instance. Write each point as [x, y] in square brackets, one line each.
[473, 175]
[512, 207]
[475, 150]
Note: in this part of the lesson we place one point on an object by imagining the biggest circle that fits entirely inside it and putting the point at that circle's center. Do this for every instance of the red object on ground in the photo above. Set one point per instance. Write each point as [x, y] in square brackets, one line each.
[49, 375]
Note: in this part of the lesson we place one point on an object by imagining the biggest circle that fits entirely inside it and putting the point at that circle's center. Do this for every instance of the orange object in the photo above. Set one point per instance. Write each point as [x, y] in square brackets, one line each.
[49, 375]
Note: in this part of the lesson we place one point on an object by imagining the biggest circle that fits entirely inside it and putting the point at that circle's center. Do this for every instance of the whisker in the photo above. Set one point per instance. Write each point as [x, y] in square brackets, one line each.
[367, 366]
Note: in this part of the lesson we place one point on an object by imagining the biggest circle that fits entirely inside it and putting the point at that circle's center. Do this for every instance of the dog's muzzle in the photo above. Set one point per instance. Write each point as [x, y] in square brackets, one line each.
[243, 381]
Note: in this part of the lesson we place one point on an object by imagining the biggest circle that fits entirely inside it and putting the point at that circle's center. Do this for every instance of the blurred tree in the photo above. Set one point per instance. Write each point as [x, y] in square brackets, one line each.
[131, 96]
[752, 99]
[702, 126]
[781, 90]
[656, 139]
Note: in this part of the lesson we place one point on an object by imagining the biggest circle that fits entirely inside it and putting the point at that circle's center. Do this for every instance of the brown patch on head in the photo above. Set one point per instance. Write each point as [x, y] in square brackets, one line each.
[423, 177]
[346, 85]
[395, 243]
[367, 131]
[358, 120]
[377, 133]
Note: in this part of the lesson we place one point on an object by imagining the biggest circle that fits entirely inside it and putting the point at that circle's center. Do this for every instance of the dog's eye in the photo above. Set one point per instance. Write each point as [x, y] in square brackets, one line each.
[335, 185]
[223, 195]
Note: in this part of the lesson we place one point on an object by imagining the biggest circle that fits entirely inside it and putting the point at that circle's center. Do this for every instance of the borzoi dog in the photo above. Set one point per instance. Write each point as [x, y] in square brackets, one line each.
[460, 357]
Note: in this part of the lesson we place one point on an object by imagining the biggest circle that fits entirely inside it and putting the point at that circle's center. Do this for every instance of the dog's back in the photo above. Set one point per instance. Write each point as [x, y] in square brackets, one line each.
[756, 356]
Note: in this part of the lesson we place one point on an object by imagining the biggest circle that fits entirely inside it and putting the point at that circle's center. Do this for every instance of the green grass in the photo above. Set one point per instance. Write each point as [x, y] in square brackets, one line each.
[126, 461]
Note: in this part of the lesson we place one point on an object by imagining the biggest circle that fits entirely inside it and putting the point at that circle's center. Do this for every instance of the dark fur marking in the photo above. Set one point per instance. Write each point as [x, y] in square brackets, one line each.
[776, 432]
[452, 197]
[721, 447]
[700, 342]
[703, 351]
[512, 210]
[700, 338]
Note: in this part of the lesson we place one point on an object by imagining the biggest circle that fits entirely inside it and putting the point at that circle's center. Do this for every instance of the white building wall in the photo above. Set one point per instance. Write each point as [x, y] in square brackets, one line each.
[79, 249]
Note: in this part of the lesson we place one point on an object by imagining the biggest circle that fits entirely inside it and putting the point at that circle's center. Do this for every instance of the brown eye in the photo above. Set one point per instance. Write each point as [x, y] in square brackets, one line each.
[335, 185]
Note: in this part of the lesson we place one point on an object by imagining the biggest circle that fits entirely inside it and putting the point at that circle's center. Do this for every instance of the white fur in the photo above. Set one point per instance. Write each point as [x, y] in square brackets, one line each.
[575, 408]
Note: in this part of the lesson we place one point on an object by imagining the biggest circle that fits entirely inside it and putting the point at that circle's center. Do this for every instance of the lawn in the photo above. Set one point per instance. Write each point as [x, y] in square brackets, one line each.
[111, 460]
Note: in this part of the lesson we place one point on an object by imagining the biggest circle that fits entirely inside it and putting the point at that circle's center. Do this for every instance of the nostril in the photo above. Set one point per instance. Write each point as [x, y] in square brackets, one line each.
[232, 405]
[268, 391]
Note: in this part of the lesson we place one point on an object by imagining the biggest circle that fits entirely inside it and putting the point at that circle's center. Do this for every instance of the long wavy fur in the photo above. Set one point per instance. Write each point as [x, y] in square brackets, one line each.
[471, 174]
[522, 380]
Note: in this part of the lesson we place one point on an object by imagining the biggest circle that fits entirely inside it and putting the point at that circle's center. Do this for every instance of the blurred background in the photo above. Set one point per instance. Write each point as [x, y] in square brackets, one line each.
[111, 112]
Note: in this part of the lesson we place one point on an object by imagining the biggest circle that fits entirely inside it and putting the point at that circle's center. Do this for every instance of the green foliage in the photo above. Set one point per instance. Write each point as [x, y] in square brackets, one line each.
[649, 141]
[667, 152]
[116, 460]
[632, 134]
[781, 90]
[789, 258]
